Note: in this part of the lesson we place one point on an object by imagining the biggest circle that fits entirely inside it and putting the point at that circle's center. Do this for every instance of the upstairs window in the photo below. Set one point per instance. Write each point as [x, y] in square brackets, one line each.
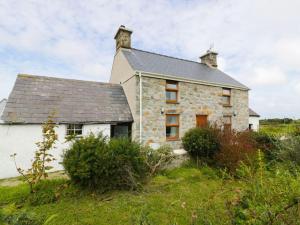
[74, 129]
[226, 97]
[172, 127]
[227, 122]
[171, 91]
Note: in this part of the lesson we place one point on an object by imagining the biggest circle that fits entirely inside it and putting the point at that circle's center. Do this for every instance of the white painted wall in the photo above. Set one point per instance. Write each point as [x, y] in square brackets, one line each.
[255, 121]
[2, 106]
[21, 139]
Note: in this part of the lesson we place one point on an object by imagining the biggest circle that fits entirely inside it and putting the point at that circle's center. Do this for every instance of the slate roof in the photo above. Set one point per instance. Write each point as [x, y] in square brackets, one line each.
[180, 68]
[252, 113]
[33, 98]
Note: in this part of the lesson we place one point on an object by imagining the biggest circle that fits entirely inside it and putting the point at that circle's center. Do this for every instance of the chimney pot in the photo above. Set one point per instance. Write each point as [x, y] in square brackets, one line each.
[210, 59]
[123, 37]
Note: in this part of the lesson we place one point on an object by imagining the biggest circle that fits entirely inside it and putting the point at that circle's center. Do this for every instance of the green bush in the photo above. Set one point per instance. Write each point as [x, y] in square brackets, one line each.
[201, 142]
[158, 159]
[268, 143]
[291, 150]
[94, 163]
[81, 160]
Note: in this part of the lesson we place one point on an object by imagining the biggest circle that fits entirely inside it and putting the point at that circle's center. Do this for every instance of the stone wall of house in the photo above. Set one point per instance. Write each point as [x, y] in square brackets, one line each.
[193, 99]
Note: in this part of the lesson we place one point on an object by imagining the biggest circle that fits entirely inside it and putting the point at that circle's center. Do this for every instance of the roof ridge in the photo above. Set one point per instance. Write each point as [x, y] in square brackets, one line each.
[187, 60]
[69, 79]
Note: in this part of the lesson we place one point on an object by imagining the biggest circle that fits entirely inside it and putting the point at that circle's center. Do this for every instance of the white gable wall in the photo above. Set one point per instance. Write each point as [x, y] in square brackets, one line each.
[254, 120]
[21, 139]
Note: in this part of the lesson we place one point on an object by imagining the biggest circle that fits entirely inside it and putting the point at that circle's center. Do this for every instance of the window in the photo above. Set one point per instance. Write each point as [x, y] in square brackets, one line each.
[226, 96]
[172, 126]
[74, 129]
[171, 91]
[227, 122]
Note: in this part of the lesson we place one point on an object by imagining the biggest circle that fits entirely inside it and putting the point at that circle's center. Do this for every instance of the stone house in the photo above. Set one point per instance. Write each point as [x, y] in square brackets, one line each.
[152, 98]
[168, 96]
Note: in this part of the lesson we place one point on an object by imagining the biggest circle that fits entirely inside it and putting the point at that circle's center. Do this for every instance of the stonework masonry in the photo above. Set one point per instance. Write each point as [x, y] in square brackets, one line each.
[193, 99]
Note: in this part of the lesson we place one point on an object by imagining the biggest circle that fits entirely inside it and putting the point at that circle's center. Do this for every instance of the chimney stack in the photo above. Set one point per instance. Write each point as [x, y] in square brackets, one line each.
[123, 38]
[210, 59]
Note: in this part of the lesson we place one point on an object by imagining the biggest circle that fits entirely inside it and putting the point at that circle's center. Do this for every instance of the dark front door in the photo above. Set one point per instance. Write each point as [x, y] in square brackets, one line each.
[201, 120]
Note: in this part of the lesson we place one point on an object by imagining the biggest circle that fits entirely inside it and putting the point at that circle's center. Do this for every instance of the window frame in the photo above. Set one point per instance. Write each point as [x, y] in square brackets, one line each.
[177, 125]
[226, 95]
[72, 131]
[225, 125]
[174, 90]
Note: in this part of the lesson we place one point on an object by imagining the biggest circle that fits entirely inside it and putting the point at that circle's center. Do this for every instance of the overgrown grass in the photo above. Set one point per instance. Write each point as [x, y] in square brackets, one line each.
[171, 198]
[186, 195]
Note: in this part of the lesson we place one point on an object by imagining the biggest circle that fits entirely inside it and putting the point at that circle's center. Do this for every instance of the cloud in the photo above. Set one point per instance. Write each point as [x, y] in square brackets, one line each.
[257, 40]
[268, 76]
[288, 52]
[297, 88]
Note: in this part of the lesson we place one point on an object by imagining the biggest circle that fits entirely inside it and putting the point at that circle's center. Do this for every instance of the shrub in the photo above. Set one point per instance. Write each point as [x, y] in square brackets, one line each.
[125, 166]
[291, 150]
[266, 196]
[201, 142]
[269, 144]
[158, 159]
[93, 163]
[81, 160]
[235, 147]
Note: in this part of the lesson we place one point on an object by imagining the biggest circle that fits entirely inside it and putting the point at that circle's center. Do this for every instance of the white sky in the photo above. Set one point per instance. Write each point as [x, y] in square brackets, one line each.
[258, 41]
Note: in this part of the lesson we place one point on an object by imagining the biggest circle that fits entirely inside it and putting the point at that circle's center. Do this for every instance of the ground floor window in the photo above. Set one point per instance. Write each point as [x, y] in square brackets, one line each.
[172, 127]
[121, 130]
[74, 129]
[227, 122]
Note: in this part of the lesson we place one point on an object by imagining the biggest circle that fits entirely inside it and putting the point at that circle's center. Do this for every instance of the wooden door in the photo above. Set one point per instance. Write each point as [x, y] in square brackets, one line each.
[201, 120]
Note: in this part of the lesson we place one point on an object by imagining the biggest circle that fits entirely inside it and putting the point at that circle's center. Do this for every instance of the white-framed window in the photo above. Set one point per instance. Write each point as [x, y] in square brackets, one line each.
[74, 129]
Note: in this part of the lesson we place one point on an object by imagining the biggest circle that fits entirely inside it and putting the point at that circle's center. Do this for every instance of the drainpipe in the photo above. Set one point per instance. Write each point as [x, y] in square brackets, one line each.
[141, 106]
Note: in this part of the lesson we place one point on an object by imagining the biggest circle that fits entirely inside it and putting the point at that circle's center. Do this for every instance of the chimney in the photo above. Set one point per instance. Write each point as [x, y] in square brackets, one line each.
[123, 38]
[210, 59]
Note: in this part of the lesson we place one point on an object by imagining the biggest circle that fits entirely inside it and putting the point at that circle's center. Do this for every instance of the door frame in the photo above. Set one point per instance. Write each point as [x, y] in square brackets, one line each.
[204, 115]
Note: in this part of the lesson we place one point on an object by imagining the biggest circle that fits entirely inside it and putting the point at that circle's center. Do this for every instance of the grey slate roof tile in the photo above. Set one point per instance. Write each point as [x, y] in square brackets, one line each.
[179, 68]
[34, 98]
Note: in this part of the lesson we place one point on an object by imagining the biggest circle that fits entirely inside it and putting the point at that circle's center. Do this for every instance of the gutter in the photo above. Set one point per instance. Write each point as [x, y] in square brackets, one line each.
[162, 76]
[141, 105]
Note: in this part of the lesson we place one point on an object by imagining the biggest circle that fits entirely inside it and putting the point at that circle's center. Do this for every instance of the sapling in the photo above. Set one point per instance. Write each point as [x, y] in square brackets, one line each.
[42, 158]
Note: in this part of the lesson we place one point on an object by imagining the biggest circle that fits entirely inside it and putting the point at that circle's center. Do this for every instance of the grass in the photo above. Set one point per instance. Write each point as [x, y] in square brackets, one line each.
[179, 196]
[280, 129]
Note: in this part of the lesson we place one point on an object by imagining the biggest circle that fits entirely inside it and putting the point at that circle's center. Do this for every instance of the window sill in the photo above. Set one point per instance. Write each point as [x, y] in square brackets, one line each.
[170, 102]
[173, 139]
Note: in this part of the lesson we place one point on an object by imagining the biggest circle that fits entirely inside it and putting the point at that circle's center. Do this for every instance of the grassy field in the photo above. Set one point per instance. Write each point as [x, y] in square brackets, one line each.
[180, 196]
[280, 129]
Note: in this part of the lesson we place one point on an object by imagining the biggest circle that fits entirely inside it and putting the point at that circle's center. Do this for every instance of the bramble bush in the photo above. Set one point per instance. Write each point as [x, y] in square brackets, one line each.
[201, 142]
[235, 147]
